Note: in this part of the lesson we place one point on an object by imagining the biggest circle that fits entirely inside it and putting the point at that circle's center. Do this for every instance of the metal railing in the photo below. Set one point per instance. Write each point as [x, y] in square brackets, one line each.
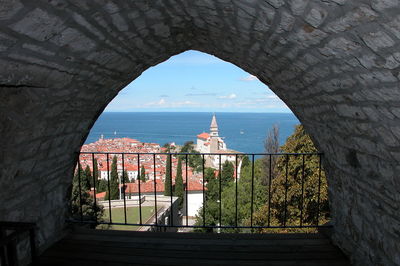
[11, 233]
[270, 162]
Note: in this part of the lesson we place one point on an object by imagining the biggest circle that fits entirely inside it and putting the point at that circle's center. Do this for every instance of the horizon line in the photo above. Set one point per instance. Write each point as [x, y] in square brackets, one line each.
[252, 112]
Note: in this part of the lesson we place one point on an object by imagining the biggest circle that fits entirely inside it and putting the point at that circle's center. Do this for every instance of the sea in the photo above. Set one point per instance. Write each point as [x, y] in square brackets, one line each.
[243, 132]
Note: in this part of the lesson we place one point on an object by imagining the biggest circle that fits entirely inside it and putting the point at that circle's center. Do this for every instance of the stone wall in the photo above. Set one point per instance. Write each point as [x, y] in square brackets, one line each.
[335, 63]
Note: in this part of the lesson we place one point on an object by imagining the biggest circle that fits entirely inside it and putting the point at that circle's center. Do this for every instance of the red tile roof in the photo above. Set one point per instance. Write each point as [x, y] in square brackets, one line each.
[100, 195]
[148, 186]
[203, 135]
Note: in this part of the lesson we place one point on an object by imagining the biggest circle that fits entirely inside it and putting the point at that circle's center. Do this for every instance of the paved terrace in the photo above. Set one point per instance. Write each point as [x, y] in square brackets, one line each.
[100, 247]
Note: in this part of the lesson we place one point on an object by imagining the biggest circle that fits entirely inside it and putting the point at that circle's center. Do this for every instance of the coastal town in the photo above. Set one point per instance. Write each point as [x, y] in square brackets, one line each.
[135, 159]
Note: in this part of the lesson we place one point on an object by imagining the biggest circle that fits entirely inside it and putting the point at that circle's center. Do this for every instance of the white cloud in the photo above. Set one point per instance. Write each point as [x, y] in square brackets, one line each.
[184, 103]
[164, 104]
[230, 96]
[249, 78]
[161, 102]
[272, 97]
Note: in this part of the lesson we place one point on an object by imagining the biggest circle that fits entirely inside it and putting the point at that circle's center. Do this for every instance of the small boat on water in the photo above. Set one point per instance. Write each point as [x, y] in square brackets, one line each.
[241, 132]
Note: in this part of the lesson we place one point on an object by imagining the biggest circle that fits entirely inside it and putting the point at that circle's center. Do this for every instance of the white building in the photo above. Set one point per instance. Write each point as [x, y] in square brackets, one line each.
[213, 143]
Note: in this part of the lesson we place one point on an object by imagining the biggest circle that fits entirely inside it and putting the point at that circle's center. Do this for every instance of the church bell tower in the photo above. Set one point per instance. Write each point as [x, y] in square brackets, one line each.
[214, 136]
[214, 127]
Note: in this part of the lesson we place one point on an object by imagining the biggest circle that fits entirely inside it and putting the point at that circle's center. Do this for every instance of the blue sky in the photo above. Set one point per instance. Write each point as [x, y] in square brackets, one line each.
[196, 82]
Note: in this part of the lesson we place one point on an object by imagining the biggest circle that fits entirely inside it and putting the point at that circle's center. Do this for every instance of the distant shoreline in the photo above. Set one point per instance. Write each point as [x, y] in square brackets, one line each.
[209, 112]
[243, 132]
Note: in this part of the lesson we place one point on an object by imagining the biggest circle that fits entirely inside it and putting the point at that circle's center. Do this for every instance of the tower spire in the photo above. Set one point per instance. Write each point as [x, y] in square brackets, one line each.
[214, 127]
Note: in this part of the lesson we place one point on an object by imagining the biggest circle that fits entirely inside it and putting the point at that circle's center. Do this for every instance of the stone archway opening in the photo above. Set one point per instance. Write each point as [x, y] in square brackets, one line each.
[334, 63]
[132, 128]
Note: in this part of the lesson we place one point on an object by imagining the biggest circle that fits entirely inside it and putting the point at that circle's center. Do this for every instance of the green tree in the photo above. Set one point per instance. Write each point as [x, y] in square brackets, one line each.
[81, 202]
[168, 177]
[209, 174]
[179, 191]
[299, 188]
[142, 175]
[82, 178]
[187, 147]
[88, 177]
[271, 146]
[96, 173]
[208, 214]
[227, 174]
[245, 161]
[125, 177]
[212, 195]
[114, 189]
[195, 160]
[102, 185]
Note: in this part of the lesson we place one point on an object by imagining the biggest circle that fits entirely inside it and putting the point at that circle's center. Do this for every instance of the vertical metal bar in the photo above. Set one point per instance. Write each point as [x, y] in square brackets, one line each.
[269, 190]
[302, 193]
[204, 196]
[80, 188]
[286, 189]
[32, 241]
[3, 260]
[252, 190]
[123, 184]
[170, 178]
[3, 253]
[94, 188]
[319, 188]
[140, 194]
[186, 189]
[220, 192]
[109, 189]
[236, 190]
[155, 188]
[11, 250]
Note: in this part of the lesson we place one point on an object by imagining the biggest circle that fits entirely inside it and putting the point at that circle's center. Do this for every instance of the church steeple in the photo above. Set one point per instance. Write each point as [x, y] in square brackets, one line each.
[214, 127]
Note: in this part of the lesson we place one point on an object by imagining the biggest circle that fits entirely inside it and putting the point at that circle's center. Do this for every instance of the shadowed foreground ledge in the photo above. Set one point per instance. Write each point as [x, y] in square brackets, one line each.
[101, 247]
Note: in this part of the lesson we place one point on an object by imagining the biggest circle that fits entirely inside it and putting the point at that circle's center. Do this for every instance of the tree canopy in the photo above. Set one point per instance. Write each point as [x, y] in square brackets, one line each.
[81, 202]
[298, 194]
[114, 182]
[179, 190]
[168, 177]
[299, 191]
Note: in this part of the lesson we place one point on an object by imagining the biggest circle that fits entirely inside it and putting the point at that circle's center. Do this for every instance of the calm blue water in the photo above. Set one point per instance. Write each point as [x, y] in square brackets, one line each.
[181, 127]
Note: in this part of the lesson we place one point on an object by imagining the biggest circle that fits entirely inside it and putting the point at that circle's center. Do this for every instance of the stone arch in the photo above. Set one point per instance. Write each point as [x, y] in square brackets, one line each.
[335, 63]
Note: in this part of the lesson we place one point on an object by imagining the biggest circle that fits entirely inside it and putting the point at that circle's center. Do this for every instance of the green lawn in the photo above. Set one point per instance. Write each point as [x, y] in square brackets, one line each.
[132, 216]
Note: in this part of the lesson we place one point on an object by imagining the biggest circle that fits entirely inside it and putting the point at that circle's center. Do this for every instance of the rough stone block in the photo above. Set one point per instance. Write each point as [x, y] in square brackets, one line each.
[316, 16]
[9, 8]
[378, 40]
[276, 3]
[384, 4]
[298, 6]
[39, 24]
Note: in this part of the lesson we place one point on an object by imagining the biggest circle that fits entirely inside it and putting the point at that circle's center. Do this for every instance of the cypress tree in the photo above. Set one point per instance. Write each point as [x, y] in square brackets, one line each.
[114, 190]
[81, 175]
[228, 171]
[96, 173]
[81, 197]
[88, 181]
[102, 185]
[179, 184]
[125, 177]
[168, 177]
[143, 174]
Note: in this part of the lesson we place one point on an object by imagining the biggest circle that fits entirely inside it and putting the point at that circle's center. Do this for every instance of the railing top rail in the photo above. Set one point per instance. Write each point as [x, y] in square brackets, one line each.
[185, 153]
[16, 225]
